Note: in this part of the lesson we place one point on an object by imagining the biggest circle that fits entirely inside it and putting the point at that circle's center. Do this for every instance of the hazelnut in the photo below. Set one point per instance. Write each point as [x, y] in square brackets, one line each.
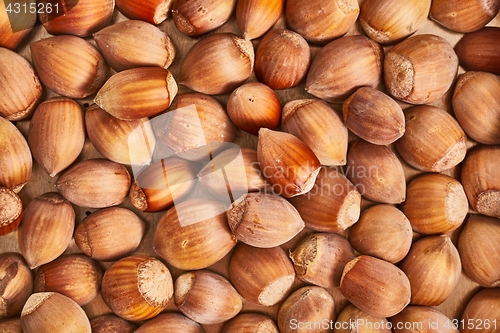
[308, 305]
[479, 250]
[375, 286]
[343, 66]
[197, 17]
[46, 229]
[433, 268]
[389, 21]
[433, 140]
[263, 220]
[320, 259]
[80, 19]
[73, 275]
[262, 276]
[332, 205]
[206, 297]
[99, 238]
[194, 234]
[382, 222]
[318, 125]
[255, 17]
[57, 134]
[480, 178]
[477, 50]
[16, 284]
[134, 43]
[55, 313]
[94, 183]
[376, 171]
[217, 64]
[137, 287]
[476, 105]
[420, 69]
[287, 163]
[435, 204]
[252, 106]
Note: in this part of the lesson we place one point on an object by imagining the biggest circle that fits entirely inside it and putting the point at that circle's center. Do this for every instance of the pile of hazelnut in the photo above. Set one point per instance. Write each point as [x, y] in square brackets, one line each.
[249, 166]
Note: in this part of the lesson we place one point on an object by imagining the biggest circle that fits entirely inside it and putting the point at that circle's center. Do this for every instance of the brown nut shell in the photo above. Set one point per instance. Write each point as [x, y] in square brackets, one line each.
[321, 22]
[433, 268]
[111, 323]
[152, 11]
[137, 287]
[194, 234]
[343, 66]
[464, 16]
[57, 134]
[74, 275]
[69, 65]
[46, 229]
[376, 172]
[305, 306]
[482, 308]
[374, 116]
[170, 322]
[203, 69]
[80, 18]
[420, 69]
[433, 140]
[55, 313]
[476, 105]
[17, 284]
[254, 105]
[94, 183]
[481, 181]
[287, 163]
[389, 21]
[255, 17]
[282, 59]
[480, 251]
[250, 322]
[99, 237]
[332, 205]
[137, 93]
[375, 286]
[197, 17]
[318, 125]
[122, 141]
[382, 222]
[477, 51]
[16, 159]
[206, 297]
[435, 204]
[320, 259]
[263, 220]
[21, 87]
[134, 43]
[262, 276]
